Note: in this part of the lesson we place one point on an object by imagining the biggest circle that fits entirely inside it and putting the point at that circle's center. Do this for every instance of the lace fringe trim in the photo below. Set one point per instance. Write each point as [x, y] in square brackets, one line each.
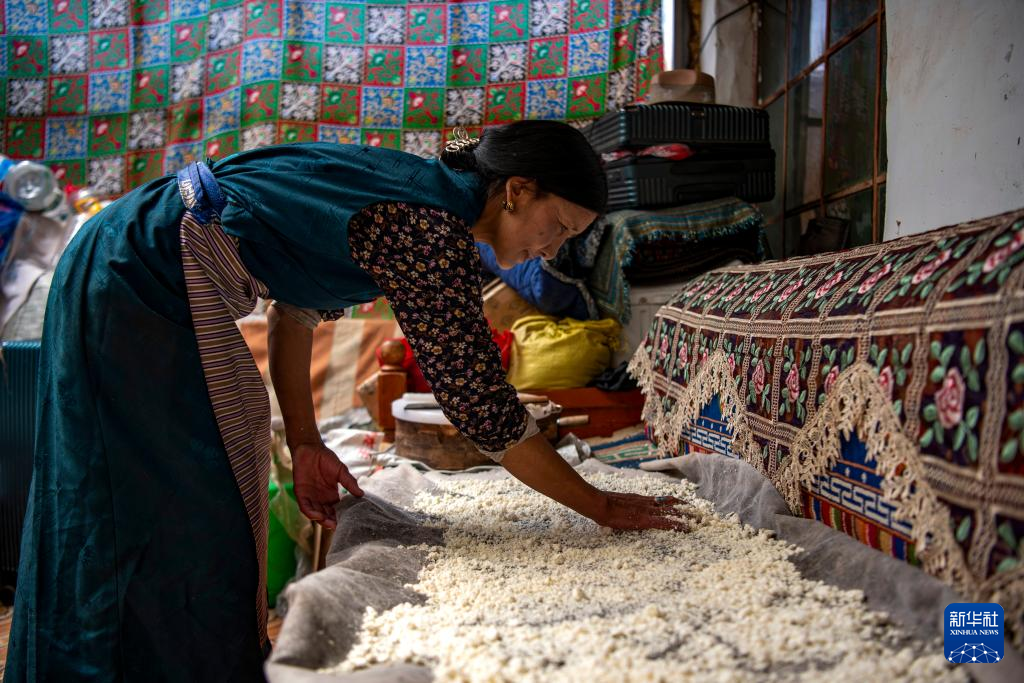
[855, 404]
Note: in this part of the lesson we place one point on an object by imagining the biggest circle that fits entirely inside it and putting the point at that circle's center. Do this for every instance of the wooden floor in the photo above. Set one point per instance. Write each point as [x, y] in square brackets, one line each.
[5, 632]
[273, 628]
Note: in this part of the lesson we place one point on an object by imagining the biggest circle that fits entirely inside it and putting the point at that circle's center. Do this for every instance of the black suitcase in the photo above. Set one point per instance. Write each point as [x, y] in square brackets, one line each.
[643, 125]
[650, 182]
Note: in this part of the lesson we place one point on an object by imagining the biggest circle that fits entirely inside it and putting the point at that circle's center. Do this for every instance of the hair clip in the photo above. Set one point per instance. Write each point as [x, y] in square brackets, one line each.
[460, 140]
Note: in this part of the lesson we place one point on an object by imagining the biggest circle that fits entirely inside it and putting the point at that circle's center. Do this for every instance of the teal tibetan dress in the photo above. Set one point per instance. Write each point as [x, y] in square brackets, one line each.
[146, 529]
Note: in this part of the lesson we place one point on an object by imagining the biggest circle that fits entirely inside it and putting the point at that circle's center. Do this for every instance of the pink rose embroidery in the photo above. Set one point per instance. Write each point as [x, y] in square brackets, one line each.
[928, 269]
[793, 384]
[830, 379]
[885, 381]
[999, 256]
[829, 285]
[714, 290]
[762, 290]
[683, 356]
[950, 399]
[732, 364]
[788, 291]
[868, 284]
[704, 356]
[732, 295]
[758, 378]
[664, 346]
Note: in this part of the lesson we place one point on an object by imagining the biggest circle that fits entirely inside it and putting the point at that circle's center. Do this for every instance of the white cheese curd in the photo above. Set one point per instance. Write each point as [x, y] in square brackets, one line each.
[524, 589]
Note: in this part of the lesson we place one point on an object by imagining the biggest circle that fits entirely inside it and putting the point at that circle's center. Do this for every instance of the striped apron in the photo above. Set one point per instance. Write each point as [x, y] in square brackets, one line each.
[220, 291]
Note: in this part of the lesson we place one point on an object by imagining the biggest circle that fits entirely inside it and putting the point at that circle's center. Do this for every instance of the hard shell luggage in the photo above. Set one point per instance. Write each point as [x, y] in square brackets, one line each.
[642, 125]
[645, 182]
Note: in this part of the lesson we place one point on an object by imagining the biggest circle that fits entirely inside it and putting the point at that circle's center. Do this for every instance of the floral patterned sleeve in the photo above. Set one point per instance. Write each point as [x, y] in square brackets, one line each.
[425, 262]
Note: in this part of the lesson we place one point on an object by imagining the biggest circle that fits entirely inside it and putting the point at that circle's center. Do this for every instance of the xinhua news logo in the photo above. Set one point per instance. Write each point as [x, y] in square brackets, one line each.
[974, 633]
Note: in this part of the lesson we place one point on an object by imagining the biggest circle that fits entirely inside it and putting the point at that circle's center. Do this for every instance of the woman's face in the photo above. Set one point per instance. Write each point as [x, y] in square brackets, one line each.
[538, 224]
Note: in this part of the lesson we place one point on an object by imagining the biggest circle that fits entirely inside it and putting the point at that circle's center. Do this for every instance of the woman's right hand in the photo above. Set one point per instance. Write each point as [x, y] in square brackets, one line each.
[632, 512]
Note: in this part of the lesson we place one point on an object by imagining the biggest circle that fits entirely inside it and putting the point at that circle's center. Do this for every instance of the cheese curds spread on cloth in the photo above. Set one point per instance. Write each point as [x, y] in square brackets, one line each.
[524, 589]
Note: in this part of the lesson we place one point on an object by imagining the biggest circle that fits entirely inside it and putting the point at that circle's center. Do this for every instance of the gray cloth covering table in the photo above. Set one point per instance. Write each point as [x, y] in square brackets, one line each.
[368, 566]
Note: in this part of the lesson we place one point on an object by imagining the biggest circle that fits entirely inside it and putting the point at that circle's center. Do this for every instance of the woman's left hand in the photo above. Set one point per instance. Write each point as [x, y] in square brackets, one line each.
[317, 472]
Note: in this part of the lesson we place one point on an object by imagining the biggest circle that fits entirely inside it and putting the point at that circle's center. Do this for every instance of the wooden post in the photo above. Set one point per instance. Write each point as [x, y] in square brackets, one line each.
[391, 385]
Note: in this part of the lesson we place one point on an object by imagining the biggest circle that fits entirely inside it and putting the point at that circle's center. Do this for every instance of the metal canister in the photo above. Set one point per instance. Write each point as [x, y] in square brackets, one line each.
[33, 186]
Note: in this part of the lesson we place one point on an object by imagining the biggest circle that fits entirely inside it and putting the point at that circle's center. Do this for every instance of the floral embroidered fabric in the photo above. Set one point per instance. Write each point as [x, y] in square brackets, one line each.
[426, 263]
[881, 390]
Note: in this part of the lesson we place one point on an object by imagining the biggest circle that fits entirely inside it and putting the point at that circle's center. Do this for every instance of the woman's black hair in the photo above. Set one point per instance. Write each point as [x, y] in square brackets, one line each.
[556, 155]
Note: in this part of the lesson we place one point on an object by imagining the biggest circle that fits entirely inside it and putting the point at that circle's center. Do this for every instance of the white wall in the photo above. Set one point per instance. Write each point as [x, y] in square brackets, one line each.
[728, 55]
[955, 112]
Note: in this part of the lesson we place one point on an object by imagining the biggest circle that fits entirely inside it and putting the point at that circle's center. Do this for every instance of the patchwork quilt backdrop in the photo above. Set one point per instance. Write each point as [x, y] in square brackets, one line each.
[880, 389]
[113, 93]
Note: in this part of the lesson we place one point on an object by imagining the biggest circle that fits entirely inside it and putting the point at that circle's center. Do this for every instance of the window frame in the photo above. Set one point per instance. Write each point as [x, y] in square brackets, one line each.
[875, 22]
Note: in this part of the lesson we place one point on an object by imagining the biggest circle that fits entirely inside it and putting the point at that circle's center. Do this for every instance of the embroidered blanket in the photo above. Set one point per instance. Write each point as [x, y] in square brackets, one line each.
[114, 93]
[880, 389]
[678, 241]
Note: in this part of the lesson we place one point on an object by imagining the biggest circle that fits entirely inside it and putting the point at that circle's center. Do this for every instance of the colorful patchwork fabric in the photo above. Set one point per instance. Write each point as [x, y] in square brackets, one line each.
[697, 228]
[625, 448]
[113, 93]
[880, 389]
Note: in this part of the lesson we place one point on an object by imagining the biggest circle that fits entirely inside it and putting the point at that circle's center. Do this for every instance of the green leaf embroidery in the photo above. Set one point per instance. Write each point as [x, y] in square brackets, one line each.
[882, 356]
[973, 413]
[1003, 274]
[973, 277]
[849, 356]
[1003, 240]
[785, 367]
[905, 354]
[802, 397]
[1007, 564]
[965, 360]
[956, 284]
[939, 433]
[936, 349]
[931, 413]
[927, 289]
[784, 408]
[901, 376]
[958, 438]
[1006, 533]
[926, 439]
[963, 530]
[832, 355]
[873, 352]
[979, 352]
[1017, 419]
[972, 447]
[974, 380]
[947, 355]
[898, 406]
[1009, 451]
[938, 373]
[1018, 374]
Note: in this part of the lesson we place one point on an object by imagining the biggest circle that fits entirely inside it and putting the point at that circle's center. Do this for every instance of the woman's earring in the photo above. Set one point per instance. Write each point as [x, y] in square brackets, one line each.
[508, 206]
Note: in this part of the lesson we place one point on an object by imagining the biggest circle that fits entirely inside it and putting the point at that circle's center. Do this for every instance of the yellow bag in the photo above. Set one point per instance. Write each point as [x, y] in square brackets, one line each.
[548, 353]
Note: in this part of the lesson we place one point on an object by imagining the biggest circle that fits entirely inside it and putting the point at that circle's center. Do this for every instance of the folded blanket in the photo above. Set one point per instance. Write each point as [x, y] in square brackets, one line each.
[675, 242]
